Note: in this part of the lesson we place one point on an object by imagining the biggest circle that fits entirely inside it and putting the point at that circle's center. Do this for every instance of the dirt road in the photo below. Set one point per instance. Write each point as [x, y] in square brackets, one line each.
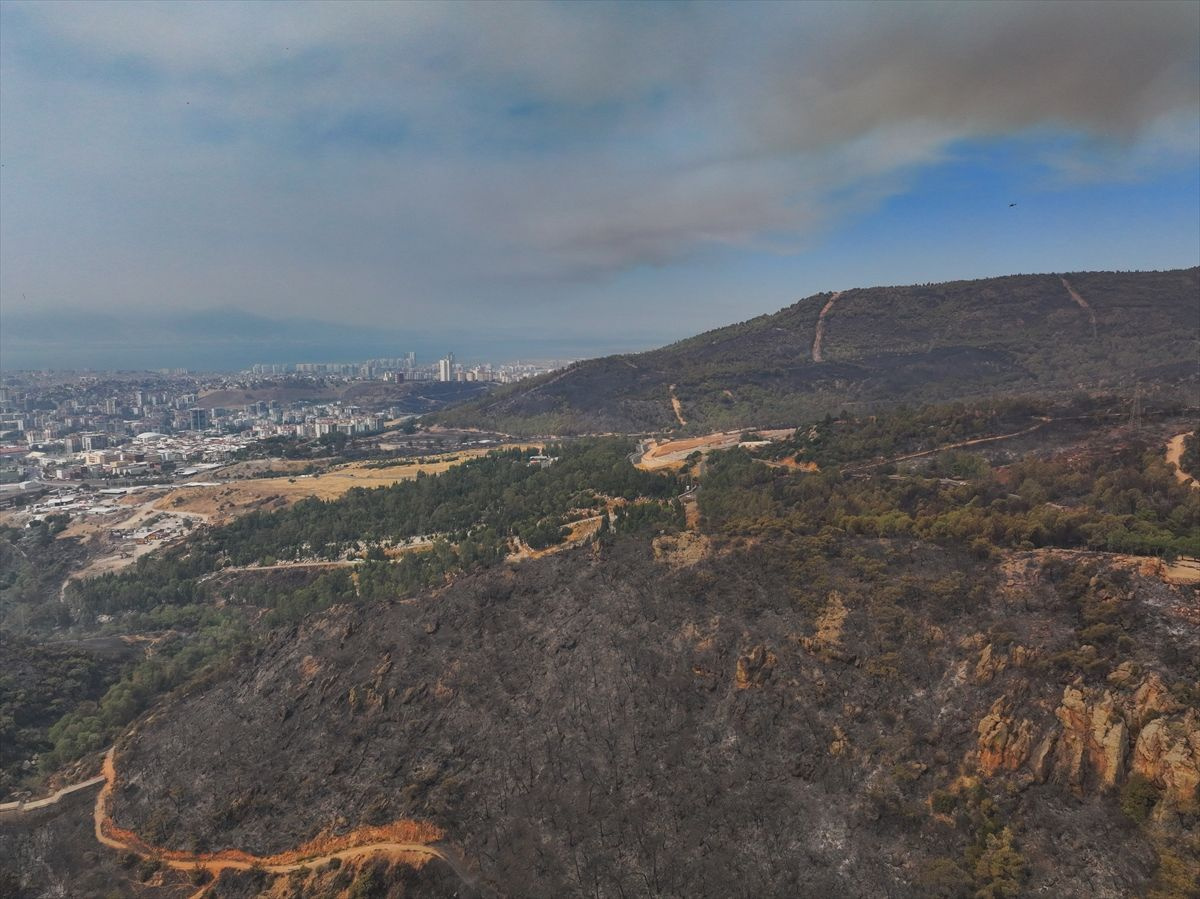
[411, 842]
[23, 806]
[365, 841]
[949, 446]
[1175, 457]
[677, 406]
[820, 334]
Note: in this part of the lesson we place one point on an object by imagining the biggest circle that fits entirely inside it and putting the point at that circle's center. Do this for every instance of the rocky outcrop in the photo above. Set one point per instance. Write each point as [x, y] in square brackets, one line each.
[1094, 742]
[1167, 752]
[840, 744]
[1099, 729]
[754, 669]
[1151, 699]
[1004, 743]
[1101, 737]
[992, 661]
[827, 641]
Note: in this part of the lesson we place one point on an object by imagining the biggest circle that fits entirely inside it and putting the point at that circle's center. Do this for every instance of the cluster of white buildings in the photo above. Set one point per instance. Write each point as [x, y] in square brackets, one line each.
[147, 454]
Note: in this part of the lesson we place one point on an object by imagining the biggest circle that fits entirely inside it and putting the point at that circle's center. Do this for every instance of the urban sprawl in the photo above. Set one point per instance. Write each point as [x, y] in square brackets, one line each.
[124, 427]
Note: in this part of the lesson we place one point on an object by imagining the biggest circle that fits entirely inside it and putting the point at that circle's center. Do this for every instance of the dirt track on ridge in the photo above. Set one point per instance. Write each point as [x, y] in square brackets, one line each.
[820, 333]
[1083, 304]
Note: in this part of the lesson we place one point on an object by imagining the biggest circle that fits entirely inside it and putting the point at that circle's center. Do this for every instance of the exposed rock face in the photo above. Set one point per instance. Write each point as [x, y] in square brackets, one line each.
[989, 665]
[1168, 753]
[1094, 740]
[1004, 743]
[1150, 700]
[992, 661]
[1102, 736]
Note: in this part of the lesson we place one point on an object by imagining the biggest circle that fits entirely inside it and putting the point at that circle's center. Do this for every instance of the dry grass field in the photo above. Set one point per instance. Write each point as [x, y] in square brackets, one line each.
[226, 501]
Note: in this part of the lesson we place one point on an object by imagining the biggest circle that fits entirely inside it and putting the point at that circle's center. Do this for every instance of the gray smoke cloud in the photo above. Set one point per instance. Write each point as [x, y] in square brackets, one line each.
[422, 159]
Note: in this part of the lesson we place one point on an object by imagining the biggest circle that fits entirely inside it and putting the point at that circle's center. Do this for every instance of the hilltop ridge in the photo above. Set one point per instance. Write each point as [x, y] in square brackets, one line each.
[1019, 334]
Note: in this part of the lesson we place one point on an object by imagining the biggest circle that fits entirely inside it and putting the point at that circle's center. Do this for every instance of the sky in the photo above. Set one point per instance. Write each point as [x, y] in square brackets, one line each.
[210, 185]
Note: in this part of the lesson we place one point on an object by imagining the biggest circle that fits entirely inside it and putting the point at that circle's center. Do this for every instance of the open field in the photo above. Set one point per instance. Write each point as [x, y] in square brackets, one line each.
[226, 501]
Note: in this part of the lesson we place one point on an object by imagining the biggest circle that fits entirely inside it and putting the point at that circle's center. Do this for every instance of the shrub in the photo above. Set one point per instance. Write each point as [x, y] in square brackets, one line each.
[1138, 797]
[943, 802]
[1000, 869]
[942, 877]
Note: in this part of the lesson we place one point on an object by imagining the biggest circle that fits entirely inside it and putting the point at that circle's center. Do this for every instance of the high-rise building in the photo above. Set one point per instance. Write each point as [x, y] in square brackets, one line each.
[446, 368]
[199, 419]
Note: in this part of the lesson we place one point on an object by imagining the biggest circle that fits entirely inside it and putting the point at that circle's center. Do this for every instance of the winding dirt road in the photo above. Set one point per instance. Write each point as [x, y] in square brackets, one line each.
[412, 851]
[411, 842]
[820, 334]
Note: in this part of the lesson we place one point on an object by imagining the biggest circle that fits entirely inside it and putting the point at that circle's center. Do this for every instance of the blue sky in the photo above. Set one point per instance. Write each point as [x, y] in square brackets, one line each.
[219, 184]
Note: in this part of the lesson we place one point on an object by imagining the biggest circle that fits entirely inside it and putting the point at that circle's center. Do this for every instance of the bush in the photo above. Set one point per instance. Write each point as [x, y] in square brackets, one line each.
[943, 802]
[1138, 797]
[942, 877]
[1001, 869]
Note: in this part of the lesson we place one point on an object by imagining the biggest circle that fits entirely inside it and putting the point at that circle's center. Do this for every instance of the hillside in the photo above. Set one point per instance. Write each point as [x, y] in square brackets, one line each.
[702, 731]
[906, 671]
[1044, 334]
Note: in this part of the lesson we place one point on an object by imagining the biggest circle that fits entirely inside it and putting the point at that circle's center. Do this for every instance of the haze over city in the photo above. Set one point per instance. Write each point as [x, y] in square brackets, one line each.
[214, 185]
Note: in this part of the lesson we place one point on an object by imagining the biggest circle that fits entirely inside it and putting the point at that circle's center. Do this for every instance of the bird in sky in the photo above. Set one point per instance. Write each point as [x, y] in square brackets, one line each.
[1011, 205]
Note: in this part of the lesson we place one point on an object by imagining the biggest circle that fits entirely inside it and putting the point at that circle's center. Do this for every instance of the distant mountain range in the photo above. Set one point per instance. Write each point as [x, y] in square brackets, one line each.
[1021, 334]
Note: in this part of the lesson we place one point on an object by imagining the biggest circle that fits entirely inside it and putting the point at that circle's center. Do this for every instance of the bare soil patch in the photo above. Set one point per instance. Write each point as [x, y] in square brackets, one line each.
[672, 453]
[1175, 457]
